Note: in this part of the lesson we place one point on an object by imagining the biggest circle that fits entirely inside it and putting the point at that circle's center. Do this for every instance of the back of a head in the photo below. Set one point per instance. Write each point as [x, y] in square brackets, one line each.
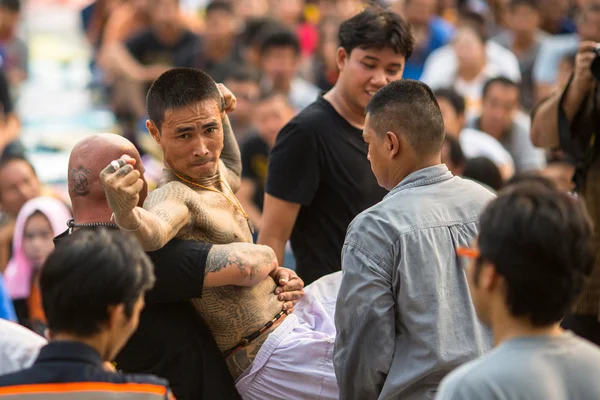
[88, 158]
[177, 88]
[377, 28]
[89, 271]
[409, 108]
[483, 170]
[541, 242]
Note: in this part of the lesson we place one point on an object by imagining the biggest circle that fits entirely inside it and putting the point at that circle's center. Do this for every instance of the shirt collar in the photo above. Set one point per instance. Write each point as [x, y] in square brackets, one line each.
[422, 177]
[67, 350]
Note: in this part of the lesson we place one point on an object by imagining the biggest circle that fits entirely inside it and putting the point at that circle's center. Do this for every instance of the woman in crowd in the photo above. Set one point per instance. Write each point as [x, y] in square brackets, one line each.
[38, 222]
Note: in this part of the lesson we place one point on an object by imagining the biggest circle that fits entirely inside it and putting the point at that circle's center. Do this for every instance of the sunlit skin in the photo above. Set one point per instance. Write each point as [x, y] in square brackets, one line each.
[37, 239]
[191, 138]
[452, 121]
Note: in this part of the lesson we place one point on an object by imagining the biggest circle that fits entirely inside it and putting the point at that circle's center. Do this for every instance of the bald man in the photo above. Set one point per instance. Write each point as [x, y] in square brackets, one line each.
[172, 340]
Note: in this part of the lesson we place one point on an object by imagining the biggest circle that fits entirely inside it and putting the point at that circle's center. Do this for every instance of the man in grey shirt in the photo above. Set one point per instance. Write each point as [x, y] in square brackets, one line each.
[534, 250]
[404, 317]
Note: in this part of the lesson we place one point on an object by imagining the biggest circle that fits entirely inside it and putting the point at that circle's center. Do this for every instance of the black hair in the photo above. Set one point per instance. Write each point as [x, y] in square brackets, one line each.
[541, 242]
[453, 97]
[475, 21]
[5, 160]
[242, 73]
[530, 177]
[278, 37]
[408, 107]
[11, 5]
[483, 170]
[254, 28]
[500, 80]
[219, 5]
[457, 157]
[178, 88]
[377, 28]
[533, 4]
[89, 271]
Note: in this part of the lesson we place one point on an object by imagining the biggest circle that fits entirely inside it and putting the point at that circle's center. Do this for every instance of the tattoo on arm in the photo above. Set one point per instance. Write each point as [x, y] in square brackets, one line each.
[80, 181]
[166, 208]
[250, 260]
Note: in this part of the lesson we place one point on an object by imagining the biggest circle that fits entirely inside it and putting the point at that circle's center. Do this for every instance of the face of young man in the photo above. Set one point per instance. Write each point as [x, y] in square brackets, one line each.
[365, 71]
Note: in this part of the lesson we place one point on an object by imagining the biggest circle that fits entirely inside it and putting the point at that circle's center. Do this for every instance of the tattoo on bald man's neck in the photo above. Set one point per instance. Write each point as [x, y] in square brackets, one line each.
[80, 178]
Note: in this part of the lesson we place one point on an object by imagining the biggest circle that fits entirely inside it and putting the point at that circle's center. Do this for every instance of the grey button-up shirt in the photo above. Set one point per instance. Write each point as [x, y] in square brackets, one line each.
[404, 315]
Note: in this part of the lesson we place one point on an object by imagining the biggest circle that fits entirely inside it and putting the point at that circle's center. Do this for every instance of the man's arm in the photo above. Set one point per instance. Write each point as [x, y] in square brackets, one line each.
[278, 219]
[544, 126]
[166, 211]
[365, 324]
[239, 264]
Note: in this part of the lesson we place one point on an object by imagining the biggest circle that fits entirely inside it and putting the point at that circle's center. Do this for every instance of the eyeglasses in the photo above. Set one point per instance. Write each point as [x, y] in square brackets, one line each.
[467, 252]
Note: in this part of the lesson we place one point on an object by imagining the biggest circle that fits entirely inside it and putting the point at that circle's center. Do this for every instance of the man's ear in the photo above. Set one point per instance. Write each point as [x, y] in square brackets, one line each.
[392, 144]
[342, 58]
[489, 278]
[154, 132]
[116, 315]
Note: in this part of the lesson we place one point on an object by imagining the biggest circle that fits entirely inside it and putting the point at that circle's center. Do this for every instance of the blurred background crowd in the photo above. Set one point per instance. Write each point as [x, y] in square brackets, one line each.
[69, 68]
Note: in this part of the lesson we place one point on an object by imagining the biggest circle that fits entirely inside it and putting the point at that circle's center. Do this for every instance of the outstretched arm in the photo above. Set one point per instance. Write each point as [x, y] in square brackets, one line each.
[166, 212]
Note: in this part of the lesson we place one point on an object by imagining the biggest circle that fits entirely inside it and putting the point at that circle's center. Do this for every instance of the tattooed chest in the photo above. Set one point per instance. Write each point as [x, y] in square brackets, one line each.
[215, 220]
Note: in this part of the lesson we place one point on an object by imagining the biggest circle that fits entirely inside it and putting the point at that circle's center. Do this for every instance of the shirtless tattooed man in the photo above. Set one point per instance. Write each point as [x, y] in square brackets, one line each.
[196, 200]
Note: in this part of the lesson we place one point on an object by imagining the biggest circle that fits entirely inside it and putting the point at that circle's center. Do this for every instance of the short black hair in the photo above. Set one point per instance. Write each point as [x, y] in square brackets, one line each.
[278, 37]
[408, 107]
[500, 80]
[377, 28]
[12, 5]
[90, 270]
[541, 242]
[219, 5]
[533, 4]
[179, 87]
[483, 170]
[242, 73]
[254, 28]
[453, 97]
[530, 177]
[457, 157]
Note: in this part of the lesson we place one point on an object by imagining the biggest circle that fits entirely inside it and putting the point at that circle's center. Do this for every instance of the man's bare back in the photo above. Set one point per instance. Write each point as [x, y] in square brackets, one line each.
[231, 312]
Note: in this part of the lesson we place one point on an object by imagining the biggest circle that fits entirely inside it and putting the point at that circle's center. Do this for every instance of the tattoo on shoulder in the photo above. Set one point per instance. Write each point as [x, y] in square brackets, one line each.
[80, 180]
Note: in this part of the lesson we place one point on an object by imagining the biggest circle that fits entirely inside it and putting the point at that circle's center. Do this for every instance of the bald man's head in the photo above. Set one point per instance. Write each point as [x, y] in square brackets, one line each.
[88, 158]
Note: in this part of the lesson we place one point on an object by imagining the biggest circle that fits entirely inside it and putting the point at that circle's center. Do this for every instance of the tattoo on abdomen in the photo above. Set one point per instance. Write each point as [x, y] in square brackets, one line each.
[80, 181]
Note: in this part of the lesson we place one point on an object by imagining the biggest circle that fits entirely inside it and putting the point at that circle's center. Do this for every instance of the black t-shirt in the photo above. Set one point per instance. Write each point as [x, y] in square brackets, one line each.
[320, 161]
[148, 49]
[255, 161]
[172, 340]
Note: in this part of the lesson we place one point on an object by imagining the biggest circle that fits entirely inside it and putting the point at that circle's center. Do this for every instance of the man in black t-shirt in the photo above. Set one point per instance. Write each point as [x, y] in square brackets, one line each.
[172, 340]
[270, 113]
[319, 177]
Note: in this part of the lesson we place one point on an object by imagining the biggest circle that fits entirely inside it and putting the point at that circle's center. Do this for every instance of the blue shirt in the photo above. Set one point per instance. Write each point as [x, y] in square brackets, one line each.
[7, 311]
[440, 33]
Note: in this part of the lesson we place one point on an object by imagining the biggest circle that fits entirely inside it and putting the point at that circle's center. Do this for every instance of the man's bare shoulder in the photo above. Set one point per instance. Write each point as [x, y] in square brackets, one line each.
[169, 191]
